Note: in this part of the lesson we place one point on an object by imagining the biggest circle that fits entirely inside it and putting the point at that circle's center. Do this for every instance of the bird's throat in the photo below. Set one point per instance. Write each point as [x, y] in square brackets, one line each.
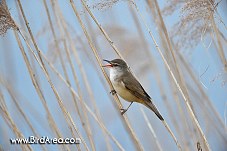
[115, 75]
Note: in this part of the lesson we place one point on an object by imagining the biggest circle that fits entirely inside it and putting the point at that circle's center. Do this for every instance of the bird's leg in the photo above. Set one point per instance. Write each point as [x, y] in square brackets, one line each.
[124, 110]
[113, 92]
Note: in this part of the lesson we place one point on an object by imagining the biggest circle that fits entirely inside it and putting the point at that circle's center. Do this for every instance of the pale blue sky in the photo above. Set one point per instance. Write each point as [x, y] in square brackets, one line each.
[199, 59]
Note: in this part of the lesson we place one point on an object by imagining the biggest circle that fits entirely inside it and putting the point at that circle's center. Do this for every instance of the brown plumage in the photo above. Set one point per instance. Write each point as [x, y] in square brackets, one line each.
[128, 87]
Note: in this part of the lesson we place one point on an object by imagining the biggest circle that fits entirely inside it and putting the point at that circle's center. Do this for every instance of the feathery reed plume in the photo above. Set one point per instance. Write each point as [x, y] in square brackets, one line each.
[194, 23]
[6, 21]
[171, 7]
[104, 4]
[197, 22]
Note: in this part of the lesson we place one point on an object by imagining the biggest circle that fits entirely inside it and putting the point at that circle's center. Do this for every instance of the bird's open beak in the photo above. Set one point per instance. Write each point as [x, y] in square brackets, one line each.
[108, 65]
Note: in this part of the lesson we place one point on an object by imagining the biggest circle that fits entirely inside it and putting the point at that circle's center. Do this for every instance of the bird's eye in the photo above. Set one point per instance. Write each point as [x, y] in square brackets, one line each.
[115, 64]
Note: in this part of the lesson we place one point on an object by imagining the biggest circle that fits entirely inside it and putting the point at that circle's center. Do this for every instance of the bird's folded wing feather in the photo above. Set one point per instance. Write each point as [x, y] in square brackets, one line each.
[135, 88]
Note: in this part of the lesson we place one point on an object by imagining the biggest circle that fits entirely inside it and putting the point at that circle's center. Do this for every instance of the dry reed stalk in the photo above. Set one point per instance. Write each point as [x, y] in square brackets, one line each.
[32, 76]
[90, 59]
[9, 17]
[160, 83]
[185, 124]
[5, 13]
[183, 118]
[171, 113]
[7, 117]
[143, 39]
[157, 74]
[84, 76]
[176, 82]
[220, 47]
[15, 100]
[60, 103]
[208, 102]
[88, 129]
[181, 80]
[100, 74]
[174, 78]
[82, 71]
[219, 35]
[178, 73]
[174, 90]
[38, 89]
[67, 115]
[52, 123]
[151, 129]
[74, 92]
[88, 109]
[206, 115]
[126, 122]
[90, 30]
[13, 127]
[118, 53]
[85, 80]
[151, 64]
[105, 129]
[165, 38]
[102, 30]
[2, 98]
[1, 95]
[86, 124]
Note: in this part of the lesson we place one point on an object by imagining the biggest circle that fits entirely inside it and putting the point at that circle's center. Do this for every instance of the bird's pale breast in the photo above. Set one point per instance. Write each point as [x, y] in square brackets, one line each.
[120, 88]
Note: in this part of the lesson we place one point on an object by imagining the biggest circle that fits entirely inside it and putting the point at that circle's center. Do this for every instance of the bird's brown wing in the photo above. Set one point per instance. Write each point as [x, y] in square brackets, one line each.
[137, 90]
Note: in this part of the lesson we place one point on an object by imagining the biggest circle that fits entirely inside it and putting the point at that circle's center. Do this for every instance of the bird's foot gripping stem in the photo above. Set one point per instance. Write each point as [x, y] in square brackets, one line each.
[113, 92]
[123, 111]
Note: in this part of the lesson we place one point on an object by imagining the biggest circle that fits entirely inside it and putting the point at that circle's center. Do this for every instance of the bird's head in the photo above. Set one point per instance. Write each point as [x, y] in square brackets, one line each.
[116, 64]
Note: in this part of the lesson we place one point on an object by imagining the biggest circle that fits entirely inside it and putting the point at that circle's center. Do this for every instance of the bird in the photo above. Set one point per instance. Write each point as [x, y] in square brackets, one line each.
[128, 87]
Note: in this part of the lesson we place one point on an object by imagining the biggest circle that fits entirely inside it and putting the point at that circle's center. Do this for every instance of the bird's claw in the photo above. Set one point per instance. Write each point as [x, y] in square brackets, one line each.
[113, 92]
[123, 111]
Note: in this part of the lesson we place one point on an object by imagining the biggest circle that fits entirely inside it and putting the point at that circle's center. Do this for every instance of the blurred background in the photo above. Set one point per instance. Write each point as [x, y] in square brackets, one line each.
[51, 83]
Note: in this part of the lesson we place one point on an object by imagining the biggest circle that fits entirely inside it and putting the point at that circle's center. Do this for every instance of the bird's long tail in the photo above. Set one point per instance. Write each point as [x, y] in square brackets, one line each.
[151, 106]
